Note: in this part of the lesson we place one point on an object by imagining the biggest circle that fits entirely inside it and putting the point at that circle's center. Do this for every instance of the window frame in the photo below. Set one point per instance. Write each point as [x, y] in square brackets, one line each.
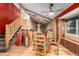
[70, 35]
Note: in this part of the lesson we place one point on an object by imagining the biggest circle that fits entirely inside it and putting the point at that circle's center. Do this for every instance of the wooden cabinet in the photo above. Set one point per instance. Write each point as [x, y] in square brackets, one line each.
[64, 43]
[76, 49]
[70, 45]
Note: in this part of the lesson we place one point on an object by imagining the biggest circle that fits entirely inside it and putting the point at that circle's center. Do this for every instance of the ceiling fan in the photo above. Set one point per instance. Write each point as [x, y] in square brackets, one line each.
[52, 10]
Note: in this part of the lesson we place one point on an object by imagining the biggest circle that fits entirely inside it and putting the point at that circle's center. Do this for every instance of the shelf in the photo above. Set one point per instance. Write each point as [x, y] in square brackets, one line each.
[70, 40]
[39, 44]
[40, 41]
[41, 48]
[40, 38]
[40, 53]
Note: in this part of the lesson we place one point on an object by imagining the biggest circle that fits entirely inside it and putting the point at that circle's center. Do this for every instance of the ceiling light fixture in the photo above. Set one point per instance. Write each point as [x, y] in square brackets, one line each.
[51, 13]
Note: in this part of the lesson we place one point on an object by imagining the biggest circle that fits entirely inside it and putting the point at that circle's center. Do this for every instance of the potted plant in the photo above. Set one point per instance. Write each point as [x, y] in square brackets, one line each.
[44, 31]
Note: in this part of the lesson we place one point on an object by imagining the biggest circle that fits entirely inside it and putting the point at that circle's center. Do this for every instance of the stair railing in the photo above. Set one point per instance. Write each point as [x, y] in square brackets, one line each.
[11, 29]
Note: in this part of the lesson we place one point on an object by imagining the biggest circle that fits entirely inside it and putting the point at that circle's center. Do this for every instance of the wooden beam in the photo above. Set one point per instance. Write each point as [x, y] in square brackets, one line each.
[34, 12]
[72, 7]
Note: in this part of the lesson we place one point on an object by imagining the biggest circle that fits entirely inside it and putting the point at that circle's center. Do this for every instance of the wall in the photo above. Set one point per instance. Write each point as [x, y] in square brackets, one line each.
[18, 41]
[71, 45]
[29, 24]
[58, 28]
[61, 28]
[68, 43]
[8, 13]
[52, 25]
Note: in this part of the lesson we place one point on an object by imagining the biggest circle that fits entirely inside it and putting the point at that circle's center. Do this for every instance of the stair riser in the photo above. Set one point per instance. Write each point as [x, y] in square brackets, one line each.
[2, 36]
[2, 43]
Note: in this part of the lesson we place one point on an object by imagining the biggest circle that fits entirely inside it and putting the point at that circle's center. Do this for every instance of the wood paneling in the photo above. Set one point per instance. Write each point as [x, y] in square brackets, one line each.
[52, 25]
[70, 45]
[72, 7]
[64, 42]
[76, 51]
[8, 13]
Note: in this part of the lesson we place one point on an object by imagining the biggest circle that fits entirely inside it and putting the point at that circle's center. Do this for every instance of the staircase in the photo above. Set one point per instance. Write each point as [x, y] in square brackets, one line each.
[2, 43]
[11, 42]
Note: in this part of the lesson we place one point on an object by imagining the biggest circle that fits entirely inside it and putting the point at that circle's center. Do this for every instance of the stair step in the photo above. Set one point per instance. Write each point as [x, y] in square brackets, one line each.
[11, 42]
[2, 36]
[2, 49]
[2, 43]
[2, 39]
[13, 37]
[3, 33]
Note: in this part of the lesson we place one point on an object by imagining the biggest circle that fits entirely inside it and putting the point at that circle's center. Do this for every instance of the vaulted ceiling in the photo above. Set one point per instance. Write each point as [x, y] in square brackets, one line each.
[39, 8]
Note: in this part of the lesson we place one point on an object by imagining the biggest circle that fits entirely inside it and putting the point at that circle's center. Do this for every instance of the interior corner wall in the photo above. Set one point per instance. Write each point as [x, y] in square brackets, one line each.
[29, 24]
[69, 43]
[52, 25]
[61, 28]
[8, 13]
[34, 25]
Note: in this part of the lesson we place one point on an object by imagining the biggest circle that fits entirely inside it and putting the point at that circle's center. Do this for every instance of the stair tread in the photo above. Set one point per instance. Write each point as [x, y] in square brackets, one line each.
[40, 53]
[41, 48]
[1, 46]
[3, 49]
[2, 36]
[2, 42]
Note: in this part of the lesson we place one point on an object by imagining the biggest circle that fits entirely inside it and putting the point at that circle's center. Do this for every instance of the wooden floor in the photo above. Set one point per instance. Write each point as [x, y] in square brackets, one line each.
[24, 51]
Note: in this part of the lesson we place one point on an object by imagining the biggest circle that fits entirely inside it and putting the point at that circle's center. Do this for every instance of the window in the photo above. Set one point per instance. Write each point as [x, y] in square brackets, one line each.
[72, 27]
[78, 27]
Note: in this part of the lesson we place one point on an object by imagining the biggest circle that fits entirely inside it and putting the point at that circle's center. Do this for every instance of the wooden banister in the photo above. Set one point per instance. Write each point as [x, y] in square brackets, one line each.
[11, 29]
